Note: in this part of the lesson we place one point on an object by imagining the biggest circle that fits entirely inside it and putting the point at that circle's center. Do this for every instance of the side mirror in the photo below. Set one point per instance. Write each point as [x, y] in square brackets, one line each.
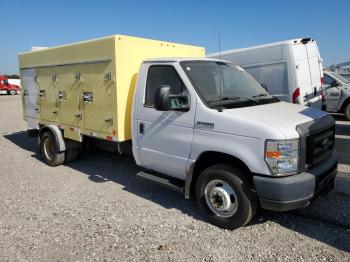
[162, 98]
[164, 101]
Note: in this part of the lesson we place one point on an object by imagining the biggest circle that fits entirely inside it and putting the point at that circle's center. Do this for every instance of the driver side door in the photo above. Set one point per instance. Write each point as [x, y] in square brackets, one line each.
[165, 137]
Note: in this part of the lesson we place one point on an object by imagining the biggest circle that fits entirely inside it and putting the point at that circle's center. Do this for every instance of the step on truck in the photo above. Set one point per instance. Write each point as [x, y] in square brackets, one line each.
[201, 126]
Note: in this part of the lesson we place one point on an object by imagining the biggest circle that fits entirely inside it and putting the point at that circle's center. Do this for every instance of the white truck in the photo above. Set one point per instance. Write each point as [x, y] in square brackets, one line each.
[337, 93]
[290, 70]
[201, 126]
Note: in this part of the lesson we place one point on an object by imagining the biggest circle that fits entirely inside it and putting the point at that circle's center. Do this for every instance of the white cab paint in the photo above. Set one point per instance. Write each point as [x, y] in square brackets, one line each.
[172, 139]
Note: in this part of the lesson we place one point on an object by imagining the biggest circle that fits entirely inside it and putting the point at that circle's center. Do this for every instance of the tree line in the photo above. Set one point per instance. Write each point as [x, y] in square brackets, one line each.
[13, 76]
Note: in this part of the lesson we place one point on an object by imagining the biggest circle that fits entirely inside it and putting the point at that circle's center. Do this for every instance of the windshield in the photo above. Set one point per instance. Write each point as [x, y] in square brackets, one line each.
[225, 85]
[342, 78]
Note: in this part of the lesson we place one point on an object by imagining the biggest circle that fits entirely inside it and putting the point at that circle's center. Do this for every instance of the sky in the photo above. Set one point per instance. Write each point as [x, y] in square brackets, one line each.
[240, 23]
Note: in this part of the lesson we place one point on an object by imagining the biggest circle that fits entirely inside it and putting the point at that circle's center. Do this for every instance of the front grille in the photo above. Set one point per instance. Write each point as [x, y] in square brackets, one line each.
[319, 145]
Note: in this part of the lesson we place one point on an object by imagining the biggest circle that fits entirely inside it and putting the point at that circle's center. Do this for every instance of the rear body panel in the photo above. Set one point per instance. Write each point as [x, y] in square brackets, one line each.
[87, 87]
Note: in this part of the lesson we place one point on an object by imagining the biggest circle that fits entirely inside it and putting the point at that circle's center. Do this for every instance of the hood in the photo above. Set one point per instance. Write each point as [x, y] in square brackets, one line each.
[269, 121]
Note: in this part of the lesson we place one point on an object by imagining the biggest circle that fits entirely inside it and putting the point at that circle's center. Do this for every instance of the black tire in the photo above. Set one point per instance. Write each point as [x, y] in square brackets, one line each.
[71, 155]
[12, 92]
[244, 199]
[49, 150]
[347, 112]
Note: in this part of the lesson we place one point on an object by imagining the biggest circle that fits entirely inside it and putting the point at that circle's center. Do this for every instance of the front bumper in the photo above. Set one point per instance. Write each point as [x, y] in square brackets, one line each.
[296, 191]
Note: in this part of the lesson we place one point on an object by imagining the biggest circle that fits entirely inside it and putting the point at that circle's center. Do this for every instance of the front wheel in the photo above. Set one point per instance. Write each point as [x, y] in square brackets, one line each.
[224, 193]
[12, 92]
[347, 112]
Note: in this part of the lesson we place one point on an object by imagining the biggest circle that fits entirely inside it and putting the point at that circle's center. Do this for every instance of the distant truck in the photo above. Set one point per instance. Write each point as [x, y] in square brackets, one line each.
[7, 88]
[337, 93]
[201, 126]
[290, 70]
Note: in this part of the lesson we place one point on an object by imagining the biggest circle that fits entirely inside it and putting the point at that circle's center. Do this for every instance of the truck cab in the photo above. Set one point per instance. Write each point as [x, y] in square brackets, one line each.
[7, 88]
[210, 124]
[337, 93]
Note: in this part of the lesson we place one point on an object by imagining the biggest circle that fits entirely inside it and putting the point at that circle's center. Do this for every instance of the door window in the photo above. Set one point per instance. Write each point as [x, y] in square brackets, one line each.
[162, 75]
[328, 81]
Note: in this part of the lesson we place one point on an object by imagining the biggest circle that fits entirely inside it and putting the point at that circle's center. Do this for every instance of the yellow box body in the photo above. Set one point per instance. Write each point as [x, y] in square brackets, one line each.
[104, 70]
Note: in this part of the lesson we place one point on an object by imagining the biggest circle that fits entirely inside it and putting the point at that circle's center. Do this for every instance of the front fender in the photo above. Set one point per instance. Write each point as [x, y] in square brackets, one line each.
[344, 99]
[247, 149]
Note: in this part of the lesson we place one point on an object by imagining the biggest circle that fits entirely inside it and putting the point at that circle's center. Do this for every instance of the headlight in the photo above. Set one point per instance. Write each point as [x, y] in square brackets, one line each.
[282, 156]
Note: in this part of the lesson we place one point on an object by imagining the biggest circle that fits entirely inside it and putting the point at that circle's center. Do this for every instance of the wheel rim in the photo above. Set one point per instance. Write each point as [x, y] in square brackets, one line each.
[221, 198]
[48, 149]
[12, 92]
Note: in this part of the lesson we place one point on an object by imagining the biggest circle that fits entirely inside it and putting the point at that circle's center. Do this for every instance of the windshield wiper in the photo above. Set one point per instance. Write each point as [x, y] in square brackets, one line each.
[225, 98]
[260, 95]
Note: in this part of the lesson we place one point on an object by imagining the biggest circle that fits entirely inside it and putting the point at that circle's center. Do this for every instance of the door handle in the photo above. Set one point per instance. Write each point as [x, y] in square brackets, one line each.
[141, 128]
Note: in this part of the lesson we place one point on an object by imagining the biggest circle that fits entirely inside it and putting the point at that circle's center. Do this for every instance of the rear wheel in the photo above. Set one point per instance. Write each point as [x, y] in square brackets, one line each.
[224, 193]
[12, 92]
[347, 112]
[49, 150]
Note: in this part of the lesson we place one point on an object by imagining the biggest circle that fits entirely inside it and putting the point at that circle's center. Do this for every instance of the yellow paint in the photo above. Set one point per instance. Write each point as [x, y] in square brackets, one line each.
[119, 55]
[48, 102]
[71, 90]
[70, 134]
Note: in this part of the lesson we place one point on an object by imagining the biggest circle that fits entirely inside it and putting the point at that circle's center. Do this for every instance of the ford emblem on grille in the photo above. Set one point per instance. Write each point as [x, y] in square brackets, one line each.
[326, 144]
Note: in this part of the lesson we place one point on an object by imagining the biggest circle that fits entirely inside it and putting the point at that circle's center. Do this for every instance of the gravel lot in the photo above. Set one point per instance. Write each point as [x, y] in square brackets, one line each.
[95, 209]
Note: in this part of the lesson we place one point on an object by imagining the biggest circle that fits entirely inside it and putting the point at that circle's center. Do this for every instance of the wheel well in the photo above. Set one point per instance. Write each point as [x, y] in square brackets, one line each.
[211, 158]
[57, 134]
[345, 103]
[42, 130]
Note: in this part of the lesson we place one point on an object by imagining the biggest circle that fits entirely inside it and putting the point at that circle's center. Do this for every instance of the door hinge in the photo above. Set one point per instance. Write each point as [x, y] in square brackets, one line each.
[62, 95]
[42, 93]
[109, 120]
[108, 76]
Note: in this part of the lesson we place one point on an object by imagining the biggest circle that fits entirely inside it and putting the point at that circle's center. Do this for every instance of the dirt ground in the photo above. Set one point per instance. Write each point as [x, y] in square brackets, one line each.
[96, 209]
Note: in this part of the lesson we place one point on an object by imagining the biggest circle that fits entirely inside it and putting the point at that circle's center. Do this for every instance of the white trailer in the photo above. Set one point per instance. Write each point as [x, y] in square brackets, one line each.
[290, 70]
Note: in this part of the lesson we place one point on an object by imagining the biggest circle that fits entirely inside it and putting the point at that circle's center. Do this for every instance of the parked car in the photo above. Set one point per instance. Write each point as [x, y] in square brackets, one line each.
[7, 88]
[290, 70]
[201, 126]
[337, 93]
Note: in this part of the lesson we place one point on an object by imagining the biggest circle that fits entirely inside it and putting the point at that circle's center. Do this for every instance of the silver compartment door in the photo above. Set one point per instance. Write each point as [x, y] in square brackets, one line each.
[30, 96]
